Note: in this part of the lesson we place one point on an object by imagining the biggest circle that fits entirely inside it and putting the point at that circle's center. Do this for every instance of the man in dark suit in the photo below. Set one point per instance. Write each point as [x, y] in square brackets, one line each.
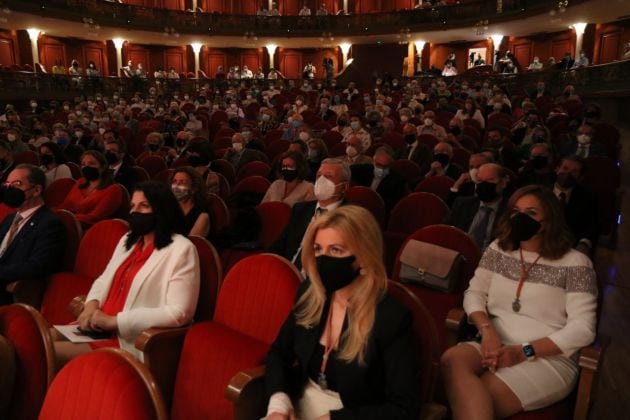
[33, 238]
[478, 215]
[332, 182]
[120, 164]
[583, 145]
[580, 205]
[416, 152]
[6, 161]
[442, 166]
[503, 149]
[238, 155]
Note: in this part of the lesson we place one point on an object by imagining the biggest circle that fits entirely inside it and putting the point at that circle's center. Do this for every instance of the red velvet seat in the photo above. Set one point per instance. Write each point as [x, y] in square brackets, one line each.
[417, 210]
[27, 331]
[272, 136]
[252, 184]
[211, 274]
[165, 176]
[75, 170]
[222, 142]
[104, 384]
[141, 173]
[56, 192]
[256, 168]
[395, 140]
[225, 168]
[461, 157]
[408, 169]
[95, 251]
[224, 187]
[220, 215]
[276, 148]
[218, 116]
[428, 140]
[331, 138]
[370, 200]
[153, 165]
[439, 303]
[438, 185]
[274, 217]
[472, 123]
[608, 135]
[256, 297]
[74, 233]
[27, 156]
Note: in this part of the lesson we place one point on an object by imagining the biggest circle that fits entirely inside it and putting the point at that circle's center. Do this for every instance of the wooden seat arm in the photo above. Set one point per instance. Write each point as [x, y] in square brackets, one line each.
[454, 320]
[246, 390]
[589, 360]
[161, 349]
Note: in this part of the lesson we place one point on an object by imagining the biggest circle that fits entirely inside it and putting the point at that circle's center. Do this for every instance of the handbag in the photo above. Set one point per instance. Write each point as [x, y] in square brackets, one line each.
[430, 265]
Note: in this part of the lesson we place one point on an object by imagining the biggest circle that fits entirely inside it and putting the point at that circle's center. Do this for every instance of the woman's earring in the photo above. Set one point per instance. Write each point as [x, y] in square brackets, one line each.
[362, 271]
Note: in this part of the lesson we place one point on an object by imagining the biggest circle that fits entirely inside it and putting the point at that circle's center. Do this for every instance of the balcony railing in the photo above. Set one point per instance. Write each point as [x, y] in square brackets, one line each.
[106, 13]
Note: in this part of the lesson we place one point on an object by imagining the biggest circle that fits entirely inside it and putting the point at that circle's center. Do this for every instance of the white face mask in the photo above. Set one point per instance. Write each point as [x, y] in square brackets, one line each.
[298, 103]
[324, 189]
[404, 118]
[237, 147]
[355, 125]
[304, 136]
[428, 122]
[351, 151]
[584, 139]
[473, 174]
[101, 131]
[180, 192]
[11, 137]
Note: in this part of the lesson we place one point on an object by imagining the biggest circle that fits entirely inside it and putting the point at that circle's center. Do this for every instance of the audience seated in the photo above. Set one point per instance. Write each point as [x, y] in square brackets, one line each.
[442, 162]
[94, 197]
[53, 162]
[239, 155]
[355, 151]
[291, 188]
[583, 145]
[538, 169]
[33, 237]
[120, 164]
[191, 193]
[152, 279]
[429, 126]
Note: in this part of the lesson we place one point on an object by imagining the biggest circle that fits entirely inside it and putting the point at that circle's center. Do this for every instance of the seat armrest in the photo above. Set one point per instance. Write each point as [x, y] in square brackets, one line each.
[433, 411]
[76, 305]
[246, 390]
[161, 348]
[589, 361]
[454, 321]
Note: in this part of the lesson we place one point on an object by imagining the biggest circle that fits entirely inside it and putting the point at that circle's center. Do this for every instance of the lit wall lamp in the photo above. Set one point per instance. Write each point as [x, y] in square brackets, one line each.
[118, 44]
[271, 50]
[33, 34]
[345, 49]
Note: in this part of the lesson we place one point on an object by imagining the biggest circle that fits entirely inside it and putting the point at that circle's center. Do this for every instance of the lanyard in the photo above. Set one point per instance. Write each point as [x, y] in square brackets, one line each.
[516, 305]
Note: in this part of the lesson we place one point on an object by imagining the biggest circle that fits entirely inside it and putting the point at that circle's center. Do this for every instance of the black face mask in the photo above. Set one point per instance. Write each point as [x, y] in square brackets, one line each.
[289, 174]
[141, 224]
[410, 138]
[524, 227]
[112, 158]
[442, 158]
[456, 131]
[181, 143]
[46, 159]
[335, 273]
[3, 163]
[486, 191]
[194, 160]
[13, 197]
[540, 162]
[566, 180]
[154, 147]
[342, 123]
[90, 173]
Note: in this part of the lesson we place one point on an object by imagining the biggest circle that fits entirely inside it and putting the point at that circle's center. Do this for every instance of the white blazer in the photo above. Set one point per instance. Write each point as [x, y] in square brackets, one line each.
[163, 294]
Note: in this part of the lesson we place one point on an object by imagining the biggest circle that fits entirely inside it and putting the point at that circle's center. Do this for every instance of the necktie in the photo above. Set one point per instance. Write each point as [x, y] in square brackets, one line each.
[479, 234]
[563, 198]
[12, 230]
[581, 152]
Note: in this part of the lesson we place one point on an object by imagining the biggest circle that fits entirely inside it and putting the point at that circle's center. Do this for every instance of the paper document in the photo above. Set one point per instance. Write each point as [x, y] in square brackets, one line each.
[72, 333]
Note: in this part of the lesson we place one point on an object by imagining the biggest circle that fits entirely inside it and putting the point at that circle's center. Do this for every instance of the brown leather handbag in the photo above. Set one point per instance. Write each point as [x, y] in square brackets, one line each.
[430, 265]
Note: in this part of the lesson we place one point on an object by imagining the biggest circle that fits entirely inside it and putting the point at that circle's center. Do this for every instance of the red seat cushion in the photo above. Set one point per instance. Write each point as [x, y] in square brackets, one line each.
[61, 289]
[211, 356]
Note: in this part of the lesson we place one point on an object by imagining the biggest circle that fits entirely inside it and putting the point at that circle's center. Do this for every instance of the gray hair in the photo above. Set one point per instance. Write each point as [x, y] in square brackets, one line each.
[345, 168]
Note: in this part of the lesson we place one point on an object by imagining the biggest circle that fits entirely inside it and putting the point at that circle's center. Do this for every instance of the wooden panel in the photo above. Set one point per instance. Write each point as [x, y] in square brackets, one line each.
[559, 48]
[173, 4]
[7, 54]
[139, 56]
[174, 59]
[96, 55]
[251, 60]
[135, 2]
[213, 5]
[249, 7]
[609, 47]
[214, 61]
[523, 54]
[291, 65]
[50, 53]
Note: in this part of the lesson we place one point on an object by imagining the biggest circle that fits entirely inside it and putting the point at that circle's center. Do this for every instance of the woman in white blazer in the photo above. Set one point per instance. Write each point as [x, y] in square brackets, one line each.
[152, 279]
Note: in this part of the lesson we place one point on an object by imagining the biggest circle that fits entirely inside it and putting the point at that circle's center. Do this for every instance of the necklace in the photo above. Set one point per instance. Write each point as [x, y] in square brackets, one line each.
[516, 305]
[321, 378]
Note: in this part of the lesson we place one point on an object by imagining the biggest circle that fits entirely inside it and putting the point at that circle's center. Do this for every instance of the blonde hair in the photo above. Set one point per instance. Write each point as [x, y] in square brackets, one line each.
[363, 239]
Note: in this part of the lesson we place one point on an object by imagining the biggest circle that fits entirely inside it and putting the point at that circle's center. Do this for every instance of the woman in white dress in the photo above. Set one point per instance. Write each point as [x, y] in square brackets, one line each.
[533, 300]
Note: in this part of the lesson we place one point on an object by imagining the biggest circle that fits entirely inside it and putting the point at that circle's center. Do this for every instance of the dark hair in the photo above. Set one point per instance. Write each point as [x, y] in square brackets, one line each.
[60, 156]
[575, 158]
[105, 179]
[35, 175]
[300, 163]
[302, 144]
[200, 190]
[166, 210]
[556, 237]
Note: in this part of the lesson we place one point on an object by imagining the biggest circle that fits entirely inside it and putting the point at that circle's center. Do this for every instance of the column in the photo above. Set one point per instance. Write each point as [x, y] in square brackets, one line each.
[196, 47]
[271, 50]
[194, 5]
[33, 35]
[118, 44]
[496, 43]
[419, 47]
[345, 49]
[579, 37]
[345, 7]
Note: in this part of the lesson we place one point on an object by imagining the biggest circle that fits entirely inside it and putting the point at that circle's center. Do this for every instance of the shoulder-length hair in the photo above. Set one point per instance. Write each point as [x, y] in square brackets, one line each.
[57, 152]
[363, 239]
[199, 188]
[168, 214]
[556, 237]
[300, 163]
[105, 180]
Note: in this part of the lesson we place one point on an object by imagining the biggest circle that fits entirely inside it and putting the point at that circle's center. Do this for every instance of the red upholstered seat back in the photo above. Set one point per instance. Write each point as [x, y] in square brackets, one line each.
[225, 168]
[74, 232]
[252, 184]
[61, 289]
[25, 328]
[408, 169]
[153, 165]
[438, 185]
[416, 211]
[258, 168]
[370, 200]
[97, 247]
[274, 217]
[103, 384]
[56, 192]
[211, 277]
[256, 296]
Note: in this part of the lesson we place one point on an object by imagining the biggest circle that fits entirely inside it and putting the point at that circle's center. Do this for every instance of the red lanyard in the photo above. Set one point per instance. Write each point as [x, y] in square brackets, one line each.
[516, 305]
[329, 346]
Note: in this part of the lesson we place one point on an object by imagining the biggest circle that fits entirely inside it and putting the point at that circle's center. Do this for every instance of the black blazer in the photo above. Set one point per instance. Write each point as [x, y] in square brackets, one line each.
[385, 387]
[126, 176]
[464, 210]
[392, 188]
[595, 149]
[35, 252]
[581, 215]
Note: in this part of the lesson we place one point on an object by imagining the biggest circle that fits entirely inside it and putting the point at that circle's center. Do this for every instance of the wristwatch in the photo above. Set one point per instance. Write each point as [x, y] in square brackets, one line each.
[528, 350]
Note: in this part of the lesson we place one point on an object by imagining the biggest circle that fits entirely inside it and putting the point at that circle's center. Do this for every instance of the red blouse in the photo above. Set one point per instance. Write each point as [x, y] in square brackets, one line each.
[95, 206]
[121, 284]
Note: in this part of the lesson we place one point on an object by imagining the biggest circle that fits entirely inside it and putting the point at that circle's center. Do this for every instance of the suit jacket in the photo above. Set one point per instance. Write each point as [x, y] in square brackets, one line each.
[163, 293]
[595, 149]
[464, 210]
[392, 188]
[248, 155]
[126, 177]
[35, 252]
[421, 155]
[581, 215]
[385, 387]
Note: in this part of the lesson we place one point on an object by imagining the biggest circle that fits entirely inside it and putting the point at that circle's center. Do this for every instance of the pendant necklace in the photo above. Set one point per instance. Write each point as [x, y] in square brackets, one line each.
[321, 378]
[516, 305]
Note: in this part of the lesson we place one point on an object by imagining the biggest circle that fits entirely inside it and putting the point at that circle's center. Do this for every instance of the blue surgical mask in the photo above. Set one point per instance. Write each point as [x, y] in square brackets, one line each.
[296, 123]
[381, 172]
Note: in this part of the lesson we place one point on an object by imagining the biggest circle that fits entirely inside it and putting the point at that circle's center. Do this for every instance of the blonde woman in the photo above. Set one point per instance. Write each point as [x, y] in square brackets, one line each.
[346, 341]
